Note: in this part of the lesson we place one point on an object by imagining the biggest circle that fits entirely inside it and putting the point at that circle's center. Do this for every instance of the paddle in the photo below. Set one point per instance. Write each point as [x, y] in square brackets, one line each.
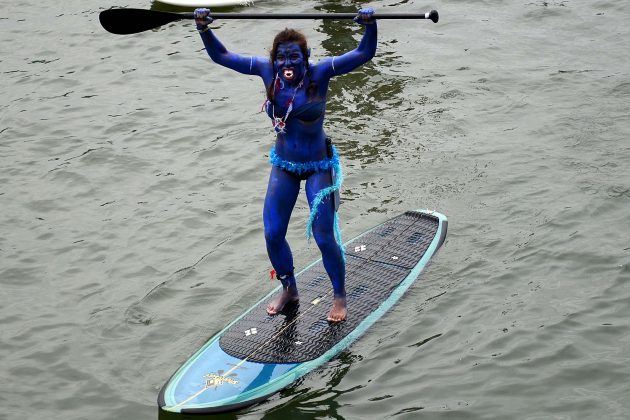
[133, 21]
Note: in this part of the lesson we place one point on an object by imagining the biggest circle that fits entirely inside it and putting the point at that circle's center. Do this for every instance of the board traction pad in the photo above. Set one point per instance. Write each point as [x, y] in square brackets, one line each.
[376, 263]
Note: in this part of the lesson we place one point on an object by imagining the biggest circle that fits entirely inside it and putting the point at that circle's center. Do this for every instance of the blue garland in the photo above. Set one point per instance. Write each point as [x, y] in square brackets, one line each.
[303, 167]
[317, 201]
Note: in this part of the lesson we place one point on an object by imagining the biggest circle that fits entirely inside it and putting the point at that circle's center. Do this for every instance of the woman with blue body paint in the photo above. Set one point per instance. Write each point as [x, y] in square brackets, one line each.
[296, 102]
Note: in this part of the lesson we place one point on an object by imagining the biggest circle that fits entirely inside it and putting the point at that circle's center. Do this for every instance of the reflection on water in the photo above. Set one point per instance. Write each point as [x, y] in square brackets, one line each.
[359, 101]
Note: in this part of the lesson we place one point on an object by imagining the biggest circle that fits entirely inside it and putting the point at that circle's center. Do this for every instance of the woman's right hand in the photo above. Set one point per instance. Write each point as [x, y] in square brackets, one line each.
[365, 16]
[202, 18]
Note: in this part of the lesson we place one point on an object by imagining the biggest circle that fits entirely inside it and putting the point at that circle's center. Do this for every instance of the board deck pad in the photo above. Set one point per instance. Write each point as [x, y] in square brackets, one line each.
[376, 263]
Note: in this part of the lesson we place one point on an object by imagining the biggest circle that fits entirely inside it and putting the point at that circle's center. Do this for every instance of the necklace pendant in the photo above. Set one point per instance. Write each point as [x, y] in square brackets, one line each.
[279, 125]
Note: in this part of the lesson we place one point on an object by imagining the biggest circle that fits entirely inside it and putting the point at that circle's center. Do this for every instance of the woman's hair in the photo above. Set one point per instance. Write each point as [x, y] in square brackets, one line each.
[286, 36]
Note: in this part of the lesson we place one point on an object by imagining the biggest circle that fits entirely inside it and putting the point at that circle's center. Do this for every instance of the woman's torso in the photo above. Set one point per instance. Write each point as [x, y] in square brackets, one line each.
[304, 138]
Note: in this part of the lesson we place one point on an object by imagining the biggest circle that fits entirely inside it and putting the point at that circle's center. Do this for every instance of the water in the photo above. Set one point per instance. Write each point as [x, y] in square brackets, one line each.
[133, 172]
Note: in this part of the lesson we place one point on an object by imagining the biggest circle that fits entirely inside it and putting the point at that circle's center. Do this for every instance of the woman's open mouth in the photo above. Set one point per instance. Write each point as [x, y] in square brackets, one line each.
[288, 73]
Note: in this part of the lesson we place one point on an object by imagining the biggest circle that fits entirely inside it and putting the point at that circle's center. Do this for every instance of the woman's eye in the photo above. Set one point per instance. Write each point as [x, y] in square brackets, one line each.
[294, 57]
[280, 57]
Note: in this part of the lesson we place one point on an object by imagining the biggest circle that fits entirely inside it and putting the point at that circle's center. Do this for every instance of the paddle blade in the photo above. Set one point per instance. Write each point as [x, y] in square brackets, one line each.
[133, 21]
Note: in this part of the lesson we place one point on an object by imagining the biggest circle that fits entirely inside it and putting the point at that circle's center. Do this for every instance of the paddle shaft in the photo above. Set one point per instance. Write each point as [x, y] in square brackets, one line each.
[313, 16]
[131, 21]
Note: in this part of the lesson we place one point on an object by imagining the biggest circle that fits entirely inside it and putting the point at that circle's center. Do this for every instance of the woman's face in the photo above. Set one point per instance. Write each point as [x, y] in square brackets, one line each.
[290, 62]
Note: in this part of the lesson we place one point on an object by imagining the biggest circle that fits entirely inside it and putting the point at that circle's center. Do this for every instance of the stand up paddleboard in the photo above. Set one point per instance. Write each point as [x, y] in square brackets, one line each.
[207, 3]
[258, 355]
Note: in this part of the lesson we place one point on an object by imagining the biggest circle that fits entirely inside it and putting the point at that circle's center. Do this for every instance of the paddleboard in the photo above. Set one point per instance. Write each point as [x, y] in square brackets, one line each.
[207, 3]
[257, 355]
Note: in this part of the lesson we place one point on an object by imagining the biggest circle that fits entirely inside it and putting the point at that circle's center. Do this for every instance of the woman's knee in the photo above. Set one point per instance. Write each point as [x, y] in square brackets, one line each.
[325, 240]
[274, 235]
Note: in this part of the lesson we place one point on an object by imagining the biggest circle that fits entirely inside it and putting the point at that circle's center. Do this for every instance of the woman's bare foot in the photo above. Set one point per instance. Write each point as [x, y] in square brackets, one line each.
[289, 294]
[338, 312]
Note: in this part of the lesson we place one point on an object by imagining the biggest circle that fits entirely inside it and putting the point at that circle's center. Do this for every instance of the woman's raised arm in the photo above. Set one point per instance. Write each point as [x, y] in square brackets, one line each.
[220, 55]
[362, 54]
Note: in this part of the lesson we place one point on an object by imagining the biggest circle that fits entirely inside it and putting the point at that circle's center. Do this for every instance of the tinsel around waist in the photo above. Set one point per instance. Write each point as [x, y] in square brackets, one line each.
[304, 167]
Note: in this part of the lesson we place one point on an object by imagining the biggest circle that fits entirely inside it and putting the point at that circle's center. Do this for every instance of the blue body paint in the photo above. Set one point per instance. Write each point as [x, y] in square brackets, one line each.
[300, 151]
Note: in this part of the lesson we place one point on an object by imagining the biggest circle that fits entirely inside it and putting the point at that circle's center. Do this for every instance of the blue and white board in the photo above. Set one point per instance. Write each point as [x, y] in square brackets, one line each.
[258, 355]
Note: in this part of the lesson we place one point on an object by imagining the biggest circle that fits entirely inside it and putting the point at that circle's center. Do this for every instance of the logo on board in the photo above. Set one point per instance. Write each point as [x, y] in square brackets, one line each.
[215, 380]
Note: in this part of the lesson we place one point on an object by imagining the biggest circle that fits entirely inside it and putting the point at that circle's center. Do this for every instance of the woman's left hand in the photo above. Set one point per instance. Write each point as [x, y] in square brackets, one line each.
[202, 18]
[365, 16]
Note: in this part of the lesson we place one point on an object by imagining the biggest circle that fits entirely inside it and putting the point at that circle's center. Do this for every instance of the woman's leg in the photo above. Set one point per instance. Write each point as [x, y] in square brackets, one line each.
[282, 193]
[324, 233]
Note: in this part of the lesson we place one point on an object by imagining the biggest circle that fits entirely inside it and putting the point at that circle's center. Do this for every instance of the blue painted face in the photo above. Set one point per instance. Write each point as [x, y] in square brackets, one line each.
[290, 62]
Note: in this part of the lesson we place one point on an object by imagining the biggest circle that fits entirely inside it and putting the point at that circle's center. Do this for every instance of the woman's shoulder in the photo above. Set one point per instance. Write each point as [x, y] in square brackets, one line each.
[322, 67]
[262, 62]
[324, 62]
[264, 66]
